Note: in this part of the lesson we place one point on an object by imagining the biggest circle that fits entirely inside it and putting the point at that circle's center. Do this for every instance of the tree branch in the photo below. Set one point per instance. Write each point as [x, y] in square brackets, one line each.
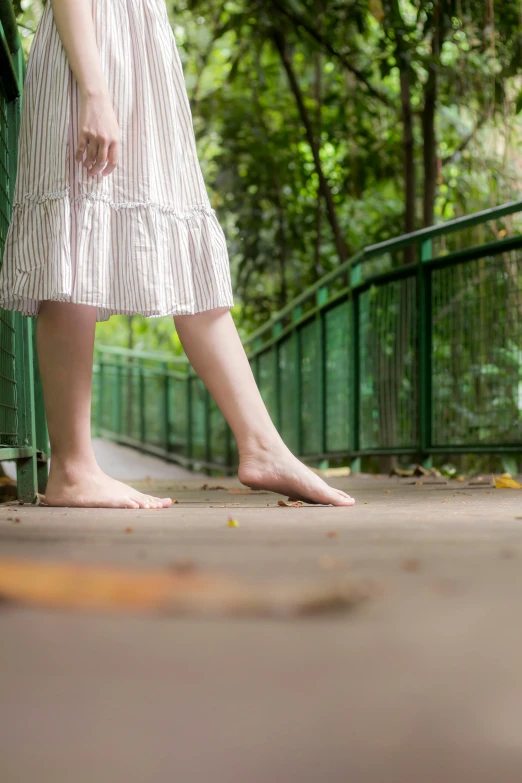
[299, 21]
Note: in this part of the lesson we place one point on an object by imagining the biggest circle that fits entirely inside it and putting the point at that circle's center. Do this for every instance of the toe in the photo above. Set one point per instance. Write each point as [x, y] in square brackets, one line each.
[130, 503]
[143, 502]
[344, 494]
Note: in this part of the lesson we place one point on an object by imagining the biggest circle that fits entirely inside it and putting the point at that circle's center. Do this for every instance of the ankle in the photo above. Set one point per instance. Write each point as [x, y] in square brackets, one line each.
[70, 470]
[260, 446]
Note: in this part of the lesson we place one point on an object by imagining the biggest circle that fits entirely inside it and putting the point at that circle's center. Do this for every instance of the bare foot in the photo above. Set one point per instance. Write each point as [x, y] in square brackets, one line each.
[94, 489]
[280, 471]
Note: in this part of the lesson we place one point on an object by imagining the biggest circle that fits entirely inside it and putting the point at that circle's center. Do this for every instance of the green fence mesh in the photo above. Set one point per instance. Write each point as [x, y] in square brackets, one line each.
[477, 351]
[339, 378]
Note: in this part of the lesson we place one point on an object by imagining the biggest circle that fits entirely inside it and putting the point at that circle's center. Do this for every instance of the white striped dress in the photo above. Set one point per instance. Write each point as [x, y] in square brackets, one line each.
[143, 239]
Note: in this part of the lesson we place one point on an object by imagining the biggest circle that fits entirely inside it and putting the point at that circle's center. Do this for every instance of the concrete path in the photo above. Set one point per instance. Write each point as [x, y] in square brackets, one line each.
[421, 683]
[126, 464]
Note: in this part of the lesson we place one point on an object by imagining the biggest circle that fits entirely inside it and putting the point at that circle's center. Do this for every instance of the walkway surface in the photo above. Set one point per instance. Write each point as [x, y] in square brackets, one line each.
[420, 682]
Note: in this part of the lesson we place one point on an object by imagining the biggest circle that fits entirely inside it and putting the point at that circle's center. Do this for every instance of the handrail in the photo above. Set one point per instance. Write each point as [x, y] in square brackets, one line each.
[160, 356]
[397, 243]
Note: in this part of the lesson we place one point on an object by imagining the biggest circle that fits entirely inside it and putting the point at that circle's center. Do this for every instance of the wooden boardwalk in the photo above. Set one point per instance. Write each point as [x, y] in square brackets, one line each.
[421, 682]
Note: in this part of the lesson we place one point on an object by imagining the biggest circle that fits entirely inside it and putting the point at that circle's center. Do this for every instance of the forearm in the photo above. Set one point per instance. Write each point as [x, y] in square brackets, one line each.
[73, 19]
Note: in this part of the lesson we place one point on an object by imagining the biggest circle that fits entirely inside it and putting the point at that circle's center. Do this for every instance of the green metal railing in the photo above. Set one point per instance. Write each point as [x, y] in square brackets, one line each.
[23, 434]
[414, 346]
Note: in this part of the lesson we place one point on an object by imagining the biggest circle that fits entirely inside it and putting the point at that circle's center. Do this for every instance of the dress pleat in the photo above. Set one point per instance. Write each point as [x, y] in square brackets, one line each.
[142, 240]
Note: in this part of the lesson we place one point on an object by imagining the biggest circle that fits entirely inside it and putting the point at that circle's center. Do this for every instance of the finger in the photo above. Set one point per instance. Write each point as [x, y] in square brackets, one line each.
[92, 151]
[80, 149]
[112, 159]
[101, 158]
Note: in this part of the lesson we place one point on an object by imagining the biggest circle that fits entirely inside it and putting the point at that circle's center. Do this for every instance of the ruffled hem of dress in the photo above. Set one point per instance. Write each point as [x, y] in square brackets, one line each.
[127, 258]
[65, 193]
[31, 307]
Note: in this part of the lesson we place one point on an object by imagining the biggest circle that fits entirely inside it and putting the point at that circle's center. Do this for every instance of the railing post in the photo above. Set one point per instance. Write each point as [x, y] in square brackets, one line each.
[166, 407]
[189, 418]
[141, 380]
[99, 421]
[26, 469]
[354, 356]
[425, 350]
[257, 365]
[41, 432]
[296, 315]
[119, 413]
[321, 299]
[228, 446]
[276, 332]
[208, 432]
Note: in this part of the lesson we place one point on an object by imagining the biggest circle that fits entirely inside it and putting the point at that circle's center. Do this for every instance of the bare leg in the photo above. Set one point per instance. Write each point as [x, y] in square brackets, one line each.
[65, 337]
[213, 346]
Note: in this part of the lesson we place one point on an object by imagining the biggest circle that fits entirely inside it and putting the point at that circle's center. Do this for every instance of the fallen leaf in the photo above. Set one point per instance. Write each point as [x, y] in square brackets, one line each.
[90, 588]
[211, 487]
[506, 482]
[233, 522]
[129, 530]
[297, 504]
[331, 534]
[400, 472]
[8, 490]
[388, 491]
[459, 478]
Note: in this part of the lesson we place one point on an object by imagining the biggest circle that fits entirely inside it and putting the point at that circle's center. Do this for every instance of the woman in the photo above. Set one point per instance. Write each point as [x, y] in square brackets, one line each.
[111, 215]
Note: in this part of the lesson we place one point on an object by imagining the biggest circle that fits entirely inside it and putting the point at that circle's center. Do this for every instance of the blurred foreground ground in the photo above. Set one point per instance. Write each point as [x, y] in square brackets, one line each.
[421, 683]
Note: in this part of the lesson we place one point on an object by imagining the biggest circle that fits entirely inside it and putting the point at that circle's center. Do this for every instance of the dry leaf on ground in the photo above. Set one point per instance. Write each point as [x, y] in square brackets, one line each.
[92, 588]
[506, 482]
[295, 504]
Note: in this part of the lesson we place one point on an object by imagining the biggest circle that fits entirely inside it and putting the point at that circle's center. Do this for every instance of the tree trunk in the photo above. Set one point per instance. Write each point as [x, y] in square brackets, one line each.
[342, 249]
[281, 244]
[429, 151]
[318, 95]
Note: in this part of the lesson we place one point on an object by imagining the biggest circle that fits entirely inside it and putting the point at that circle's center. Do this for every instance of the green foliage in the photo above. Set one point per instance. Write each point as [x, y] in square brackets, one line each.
[299, 114]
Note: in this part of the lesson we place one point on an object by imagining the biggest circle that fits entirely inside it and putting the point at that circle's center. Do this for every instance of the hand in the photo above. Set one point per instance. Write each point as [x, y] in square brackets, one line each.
[99, 135]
